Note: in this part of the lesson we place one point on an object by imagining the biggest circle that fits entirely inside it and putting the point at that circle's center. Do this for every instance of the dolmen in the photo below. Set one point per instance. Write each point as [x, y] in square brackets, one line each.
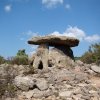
[53, 51]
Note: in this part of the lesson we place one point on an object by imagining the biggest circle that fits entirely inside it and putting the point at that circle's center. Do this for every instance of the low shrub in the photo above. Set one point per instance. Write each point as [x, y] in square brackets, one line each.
[92, 55]
[2, 60]
[7, 88]
[20, 60]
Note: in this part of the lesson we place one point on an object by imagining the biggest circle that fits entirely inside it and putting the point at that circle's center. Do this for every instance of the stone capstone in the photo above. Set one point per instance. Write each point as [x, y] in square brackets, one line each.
[53, 40]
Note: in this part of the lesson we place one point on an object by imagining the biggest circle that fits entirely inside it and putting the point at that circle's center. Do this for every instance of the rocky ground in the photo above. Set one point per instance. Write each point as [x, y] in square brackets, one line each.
[79, 82]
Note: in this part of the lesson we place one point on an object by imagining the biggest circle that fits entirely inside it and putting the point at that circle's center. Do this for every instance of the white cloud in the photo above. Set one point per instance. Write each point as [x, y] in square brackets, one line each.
[56, 33]
[67, 6]
[92, 38]
[71, 32]
[51, 3]
[8, 8]
[77, 33]
[30, 33]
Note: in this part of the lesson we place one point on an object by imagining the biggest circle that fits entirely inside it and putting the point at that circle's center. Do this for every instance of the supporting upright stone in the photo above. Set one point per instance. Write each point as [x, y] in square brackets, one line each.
[41, 58]
[61, 57]
[66, 50]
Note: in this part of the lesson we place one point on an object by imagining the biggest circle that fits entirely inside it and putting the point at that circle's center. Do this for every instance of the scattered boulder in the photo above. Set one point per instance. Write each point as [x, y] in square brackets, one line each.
[24, 82]
[28, 94]
[95, 68]
[42, 84]
[65, 94]
[58, 83]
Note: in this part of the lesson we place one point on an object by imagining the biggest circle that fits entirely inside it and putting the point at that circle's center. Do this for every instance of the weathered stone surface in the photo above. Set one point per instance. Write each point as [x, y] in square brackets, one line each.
[80, 63]
[61, 55]
[39, 94]
[24, 82]
[95, 68]
[63, 59]
[65, 94]
[31, 59]
[28, 94]
[41, 58]
[81, 77]
[42, 84]
[53, 40]
[59, 83]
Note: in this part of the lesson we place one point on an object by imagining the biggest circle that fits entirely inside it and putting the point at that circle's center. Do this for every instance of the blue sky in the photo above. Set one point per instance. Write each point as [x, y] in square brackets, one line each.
[22, 19]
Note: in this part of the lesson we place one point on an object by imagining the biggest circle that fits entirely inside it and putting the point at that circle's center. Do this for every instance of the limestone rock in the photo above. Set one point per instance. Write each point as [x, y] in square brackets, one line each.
[42, 84]
[29, 94]
[53, 40]
[31, 59]
[60, 58]
[56, 84]
[65, 94]
[80, 63]
[95, 68]
[41, 58]
[39, 94]
[23, 82]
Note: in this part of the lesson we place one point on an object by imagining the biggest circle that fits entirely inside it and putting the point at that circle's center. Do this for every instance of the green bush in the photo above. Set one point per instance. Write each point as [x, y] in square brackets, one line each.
[20, 60]
[92, 55]
[2, 60]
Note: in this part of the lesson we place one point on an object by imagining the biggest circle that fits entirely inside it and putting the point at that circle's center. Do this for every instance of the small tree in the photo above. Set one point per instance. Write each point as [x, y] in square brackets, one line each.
[21, 58]
[22, 53]
[92, 55]
[2, 60]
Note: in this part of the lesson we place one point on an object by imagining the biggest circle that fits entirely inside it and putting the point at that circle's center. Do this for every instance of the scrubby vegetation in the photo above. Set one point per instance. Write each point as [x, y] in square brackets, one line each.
[92, 55]
[7, 88]
[2, 60]
[21, 58]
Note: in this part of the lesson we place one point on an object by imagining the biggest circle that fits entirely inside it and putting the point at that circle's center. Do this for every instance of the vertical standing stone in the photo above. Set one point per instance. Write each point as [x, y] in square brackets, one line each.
[41, 59]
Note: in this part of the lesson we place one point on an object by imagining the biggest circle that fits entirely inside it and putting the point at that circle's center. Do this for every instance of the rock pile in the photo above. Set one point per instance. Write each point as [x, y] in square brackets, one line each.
[80, 82]
[45, 58]
[60, 84]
